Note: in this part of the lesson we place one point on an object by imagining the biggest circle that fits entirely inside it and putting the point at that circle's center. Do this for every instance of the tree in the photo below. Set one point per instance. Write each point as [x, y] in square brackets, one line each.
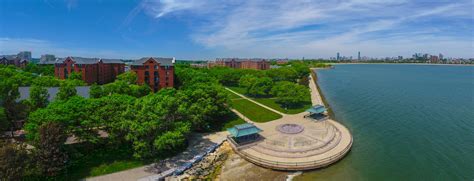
[96, 91]
[290, 94]
[66, 90]
[38, 97]
[140, 90]
[129, 77]
[171, 141]
[203, 104]
[76, 115]
[4, 124]
[8, 95]
[247, 81]
[282, 74]
[261, 87]
[75, 76]
[301, 68]
[50, 153]
[304, 81]
[47, 81]
[14, 161]
[110, 115]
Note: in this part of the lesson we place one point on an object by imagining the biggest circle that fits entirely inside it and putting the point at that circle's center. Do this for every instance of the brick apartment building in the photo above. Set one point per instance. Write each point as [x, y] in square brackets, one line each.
[93, 70]
[257, 64]
[156, 72]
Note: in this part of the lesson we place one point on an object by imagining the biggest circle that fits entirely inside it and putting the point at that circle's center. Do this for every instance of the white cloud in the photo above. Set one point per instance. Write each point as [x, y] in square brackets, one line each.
[281, 28]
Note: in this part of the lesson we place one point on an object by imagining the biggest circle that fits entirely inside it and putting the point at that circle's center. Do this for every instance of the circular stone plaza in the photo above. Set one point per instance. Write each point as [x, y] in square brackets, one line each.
[303, 141]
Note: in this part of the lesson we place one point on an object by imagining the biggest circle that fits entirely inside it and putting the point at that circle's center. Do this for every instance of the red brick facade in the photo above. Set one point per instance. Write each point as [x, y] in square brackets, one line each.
[93, 71]
[260, 64]
[154, 73]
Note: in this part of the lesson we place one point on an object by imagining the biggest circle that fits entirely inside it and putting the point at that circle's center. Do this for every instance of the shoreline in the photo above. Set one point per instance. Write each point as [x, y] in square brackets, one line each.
[323, 98]
[434, 64]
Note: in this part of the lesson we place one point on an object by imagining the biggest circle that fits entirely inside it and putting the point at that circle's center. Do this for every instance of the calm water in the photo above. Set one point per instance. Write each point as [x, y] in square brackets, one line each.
[409, 122]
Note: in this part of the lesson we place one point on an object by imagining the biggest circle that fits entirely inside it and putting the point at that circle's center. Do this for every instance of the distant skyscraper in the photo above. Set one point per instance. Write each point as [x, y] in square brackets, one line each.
[441, 56]
[358, 56]
[337, 56]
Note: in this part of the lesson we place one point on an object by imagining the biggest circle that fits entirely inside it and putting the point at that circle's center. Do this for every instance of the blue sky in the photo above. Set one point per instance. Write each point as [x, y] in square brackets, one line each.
[199, 29]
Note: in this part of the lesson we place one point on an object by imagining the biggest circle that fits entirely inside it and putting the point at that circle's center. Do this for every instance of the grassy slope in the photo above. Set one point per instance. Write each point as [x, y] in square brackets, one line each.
[270, 102]
[253, 111]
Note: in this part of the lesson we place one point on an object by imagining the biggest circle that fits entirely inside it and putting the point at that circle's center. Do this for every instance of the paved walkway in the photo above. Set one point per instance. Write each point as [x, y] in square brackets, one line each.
[198, 144]
[260, 104]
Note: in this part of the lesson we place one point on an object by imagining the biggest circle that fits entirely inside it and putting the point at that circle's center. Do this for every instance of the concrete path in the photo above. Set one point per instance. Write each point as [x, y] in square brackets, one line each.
[315, 97]
[198, 144]
[260, 104]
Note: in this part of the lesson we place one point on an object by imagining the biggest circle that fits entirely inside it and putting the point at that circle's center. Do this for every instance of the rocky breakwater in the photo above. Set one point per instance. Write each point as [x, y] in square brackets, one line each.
[210, 166]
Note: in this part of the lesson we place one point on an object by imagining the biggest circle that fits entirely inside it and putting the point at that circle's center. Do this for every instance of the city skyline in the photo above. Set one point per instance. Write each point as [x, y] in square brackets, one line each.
[210, 29]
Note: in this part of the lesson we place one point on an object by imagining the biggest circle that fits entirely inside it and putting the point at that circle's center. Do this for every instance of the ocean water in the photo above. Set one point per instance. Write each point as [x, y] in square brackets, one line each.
[409, 122]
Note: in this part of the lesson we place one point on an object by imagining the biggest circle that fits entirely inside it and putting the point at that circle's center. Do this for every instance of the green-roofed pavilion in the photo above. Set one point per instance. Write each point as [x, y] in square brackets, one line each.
[244, 132]
[316, 109]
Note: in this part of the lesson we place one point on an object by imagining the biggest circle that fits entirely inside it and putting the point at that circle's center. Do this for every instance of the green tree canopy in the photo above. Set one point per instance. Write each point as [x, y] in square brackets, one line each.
[75, 114]
[38, 97]
[96, 91]
[283, 74]
[290, 94]
[4, 124]
[261, 87]
[129, 77]
[203, 104]
[66, 90]
[247, 81]
[50, 149]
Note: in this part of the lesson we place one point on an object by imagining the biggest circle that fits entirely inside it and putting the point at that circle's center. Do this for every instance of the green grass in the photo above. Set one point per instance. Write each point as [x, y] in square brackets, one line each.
[239, 90]
[253, 111]
[270, 102]
[291, 110]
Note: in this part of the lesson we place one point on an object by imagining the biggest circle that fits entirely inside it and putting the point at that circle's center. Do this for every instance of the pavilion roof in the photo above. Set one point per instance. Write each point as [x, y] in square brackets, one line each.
[243, 130]
[316, 109]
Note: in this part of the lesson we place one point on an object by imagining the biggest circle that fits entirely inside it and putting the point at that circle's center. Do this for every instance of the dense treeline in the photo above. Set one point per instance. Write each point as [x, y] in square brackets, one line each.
[121, 114]
[287, 83]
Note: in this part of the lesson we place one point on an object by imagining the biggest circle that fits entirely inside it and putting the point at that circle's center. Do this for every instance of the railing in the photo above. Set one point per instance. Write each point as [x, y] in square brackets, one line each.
[292, 165]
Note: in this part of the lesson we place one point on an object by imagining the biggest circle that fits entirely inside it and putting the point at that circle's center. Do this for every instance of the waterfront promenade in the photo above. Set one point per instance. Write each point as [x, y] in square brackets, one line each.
[321, 143]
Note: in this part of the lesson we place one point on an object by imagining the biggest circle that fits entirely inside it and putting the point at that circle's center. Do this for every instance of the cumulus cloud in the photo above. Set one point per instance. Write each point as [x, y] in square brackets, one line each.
[276, 28]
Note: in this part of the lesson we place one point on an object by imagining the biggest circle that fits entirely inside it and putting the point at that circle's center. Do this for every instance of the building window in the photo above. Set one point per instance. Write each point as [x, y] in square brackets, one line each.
[156, 77]
[156, 67]
[147, 67]
[147, 73]
[65, 73]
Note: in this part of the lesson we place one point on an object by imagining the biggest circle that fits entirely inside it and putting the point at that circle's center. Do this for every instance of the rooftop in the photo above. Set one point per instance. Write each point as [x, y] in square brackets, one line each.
[244, 130]
[162, 61]
[317, 109]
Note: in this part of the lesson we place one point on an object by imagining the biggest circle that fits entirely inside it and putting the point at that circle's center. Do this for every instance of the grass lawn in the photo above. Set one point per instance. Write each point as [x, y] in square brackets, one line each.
[253, 111]
[294, 110]
[270, 102]
[237, 89]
